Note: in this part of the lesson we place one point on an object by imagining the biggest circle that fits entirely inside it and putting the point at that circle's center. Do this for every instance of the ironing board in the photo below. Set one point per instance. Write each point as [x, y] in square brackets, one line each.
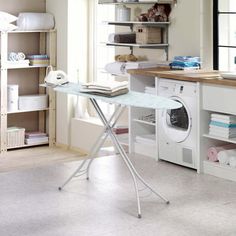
[135, 99]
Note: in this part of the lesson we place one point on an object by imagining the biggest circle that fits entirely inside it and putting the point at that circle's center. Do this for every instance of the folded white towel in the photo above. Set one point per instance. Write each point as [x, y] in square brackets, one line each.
[224, 156]
[232, 161]
[116, 68]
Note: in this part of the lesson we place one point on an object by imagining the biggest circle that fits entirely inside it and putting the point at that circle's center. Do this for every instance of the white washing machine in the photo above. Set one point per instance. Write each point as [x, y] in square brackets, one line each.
[178, 127]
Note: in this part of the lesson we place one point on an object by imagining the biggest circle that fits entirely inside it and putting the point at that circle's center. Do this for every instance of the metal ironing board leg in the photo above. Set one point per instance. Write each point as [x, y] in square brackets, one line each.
[120, 149]
[96, 147]
[116, 115]
[129, 164]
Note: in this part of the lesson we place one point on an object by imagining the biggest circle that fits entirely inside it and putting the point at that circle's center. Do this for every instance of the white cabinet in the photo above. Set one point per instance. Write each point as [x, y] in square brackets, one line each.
[221, 100]
[28, 78]
[142, 122]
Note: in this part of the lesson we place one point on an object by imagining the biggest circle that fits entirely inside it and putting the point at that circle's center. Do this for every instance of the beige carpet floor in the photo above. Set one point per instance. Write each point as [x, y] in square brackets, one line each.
[35, 157]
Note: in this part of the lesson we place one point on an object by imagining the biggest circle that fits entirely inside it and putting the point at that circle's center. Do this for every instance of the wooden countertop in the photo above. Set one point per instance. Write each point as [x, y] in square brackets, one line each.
[203, 76]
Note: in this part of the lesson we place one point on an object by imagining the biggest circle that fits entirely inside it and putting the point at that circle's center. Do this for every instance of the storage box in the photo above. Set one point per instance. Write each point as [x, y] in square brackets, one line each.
[33, 102]
[15, 137]
[145, 34]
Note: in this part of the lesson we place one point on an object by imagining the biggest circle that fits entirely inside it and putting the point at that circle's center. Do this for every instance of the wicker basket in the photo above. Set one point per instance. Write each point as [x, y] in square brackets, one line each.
[145, 34]
[15, 137]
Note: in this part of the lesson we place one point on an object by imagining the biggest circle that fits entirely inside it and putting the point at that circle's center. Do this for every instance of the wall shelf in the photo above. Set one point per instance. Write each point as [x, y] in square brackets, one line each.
[131, 23]
[28, 145]
[232, 140]
[152, 46]
[24, 111]
[218, 170]
[144, 122]
[10, 67]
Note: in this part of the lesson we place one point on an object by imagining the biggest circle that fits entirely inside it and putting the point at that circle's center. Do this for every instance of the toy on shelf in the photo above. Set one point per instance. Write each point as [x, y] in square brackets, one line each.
[125, 58]
[157, 13]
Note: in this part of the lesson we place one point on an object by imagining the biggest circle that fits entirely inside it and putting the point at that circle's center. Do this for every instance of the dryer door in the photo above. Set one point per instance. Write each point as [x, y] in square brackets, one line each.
[177, 123]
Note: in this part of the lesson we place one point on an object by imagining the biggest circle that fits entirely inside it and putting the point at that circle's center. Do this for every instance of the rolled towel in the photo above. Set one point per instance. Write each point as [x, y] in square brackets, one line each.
[129, 37]
[4, 26]
[212, 152]
[20, 56]
[35, 21]
[224, 156]
[116, 68]
[232, 161]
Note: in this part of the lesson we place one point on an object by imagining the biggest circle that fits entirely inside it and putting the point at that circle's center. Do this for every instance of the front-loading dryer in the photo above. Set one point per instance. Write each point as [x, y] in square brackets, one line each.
[177, 128]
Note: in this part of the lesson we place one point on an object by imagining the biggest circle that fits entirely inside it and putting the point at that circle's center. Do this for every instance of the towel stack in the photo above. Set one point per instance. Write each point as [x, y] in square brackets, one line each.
[185, 63]
[107, 88]
[38, 60]
[222, 125]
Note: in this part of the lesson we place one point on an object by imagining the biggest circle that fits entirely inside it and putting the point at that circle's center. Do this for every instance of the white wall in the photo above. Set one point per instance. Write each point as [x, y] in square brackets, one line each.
[190, 33]
[72, 57]
[60, 12]
[184, 30]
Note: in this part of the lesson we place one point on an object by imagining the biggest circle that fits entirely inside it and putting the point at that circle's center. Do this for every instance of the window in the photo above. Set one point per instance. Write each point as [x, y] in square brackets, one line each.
[224, 34]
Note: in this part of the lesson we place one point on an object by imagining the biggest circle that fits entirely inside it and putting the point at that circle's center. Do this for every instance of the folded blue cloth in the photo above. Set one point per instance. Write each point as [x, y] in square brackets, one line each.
[221, 124]
[185, 62]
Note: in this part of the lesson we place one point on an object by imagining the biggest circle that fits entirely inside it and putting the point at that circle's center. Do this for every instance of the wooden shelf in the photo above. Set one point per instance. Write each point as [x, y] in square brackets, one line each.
[232, 140]
[219, 170]
[131, 23]
[28, 145]
[30, 31]
[144, 122]
[123, 139]
[23, 111]
[10, 67]
[154, 45]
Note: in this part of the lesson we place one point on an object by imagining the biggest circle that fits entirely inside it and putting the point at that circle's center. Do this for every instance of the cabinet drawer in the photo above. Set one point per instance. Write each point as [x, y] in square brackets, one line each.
[219, 98]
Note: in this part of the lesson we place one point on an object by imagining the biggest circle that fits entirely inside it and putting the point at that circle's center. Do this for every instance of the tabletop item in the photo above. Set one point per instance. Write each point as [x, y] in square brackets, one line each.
[108, 88]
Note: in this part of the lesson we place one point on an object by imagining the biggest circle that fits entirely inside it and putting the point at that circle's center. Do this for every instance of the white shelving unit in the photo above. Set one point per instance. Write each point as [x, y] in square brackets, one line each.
[212, 102]
[42, 42]
[140, 127]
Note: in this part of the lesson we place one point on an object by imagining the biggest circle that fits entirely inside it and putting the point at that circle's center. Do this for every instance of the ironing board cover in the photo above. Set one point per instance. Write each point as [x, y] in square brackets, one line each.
[134, 99]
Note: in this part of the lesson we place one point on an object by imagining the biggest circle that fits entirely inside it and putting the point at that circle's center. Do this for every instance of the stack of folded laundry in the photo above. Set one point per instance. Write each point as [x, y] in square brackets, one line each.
[107, 88]
[185, 63]
[37, 137]
[38, 60]
[222, 125]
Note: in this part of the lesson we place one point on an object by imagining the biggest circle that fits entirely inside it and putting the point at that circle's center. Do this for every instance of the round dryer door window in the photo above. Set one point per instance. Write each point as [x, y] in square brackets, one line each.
[177, 122]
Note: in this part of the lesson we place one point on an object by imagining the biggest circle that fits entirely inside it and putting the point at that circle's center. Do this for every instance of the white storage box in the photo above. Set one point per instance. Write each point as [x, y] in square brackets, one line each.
[15, 137]
[33, 102]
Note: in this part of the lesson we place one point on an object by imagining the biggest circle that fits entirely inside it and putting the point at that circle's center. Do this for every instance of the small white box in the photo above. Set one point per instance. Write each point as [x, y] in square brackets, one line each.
[33, 102]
